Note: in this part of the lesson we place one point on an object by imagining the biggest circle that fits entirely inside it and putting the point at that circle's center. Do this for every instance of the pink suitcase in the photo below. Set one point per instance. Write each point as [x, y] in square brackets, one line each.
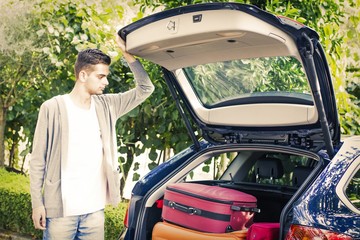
[264, 231]
[207, 208]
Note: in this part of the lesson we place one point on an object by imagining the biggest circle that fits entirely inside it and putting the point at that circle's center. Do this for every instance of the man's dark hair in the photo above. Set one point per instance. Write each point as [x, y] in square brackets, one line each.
[89, 57]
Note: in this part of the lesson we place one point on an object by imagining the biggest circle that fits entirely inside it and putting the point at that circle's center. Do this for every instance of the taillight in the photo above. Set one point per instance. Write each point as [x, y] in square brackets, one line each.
[298, 232]
[159, 203]
[126, 218]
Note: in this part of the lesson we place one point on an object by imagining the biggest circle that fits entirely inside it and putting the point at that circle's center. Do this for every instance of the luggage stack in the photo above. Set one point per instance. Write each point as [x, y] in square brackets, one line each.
[198, 211]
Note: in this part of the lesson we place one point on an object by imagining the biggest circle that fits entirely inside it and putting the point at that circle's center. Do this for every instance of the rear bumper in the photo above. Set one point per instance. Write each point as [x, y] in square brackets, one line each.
[122, 235]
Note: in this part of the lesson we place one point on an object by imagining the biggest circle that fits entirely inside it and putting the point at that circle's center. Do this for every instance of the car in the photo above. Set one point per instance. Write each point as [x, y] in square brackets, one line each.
[256, 96]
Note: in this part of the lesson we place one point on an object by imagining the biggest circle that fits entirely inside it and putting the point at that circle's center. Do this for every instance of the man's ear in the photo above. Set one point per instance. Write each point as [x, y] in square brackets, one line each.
[82, 76]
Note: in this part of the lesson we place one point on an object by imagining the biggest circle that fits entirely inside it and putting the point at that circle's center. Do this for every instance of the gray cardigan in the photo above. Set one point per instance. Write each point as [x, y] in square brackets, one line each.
[50, 142]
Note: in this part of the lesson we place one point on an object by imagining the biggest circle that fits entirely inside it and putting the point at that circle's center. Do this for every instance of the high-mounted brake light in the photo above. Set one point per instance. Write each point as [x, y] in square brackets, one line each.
[291, 22]
[298, 232]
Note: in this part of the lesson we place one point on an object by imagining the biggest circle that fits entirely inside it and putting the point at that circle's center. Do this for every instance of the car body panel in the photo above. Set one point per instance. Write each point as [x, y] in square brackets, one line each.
[323, 205]
[187, 43]
[179, 26]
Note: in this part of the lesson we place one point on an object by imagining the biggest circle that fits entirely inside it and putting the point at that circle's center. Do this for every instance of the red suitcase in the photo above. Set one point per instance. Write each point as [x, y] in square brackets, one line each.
[207, 208]
[264, 231]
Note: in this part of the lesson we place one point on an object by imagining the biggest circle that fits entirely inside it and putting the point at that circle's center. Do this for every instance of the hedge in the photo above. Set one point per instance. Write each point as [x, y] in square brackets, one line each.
[15, 208]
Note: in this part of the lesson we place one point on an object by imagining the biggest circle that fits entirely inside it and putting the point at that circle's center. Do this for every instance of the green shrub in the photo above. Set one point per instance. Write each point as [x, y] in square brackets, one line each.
[15, 208]
[15, 205]
[114, 220]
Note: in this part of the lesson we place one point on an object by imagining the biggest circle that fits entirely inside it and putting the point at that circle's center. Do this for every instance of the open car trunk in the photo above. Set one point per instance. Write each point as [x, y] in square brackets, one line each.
[275, 176]
[243, 74]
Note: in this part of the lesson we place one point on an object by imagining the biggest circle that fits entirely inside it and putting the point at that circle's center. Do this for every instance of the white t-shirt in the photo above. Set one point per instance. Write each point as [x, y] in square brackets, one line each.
[83, 180]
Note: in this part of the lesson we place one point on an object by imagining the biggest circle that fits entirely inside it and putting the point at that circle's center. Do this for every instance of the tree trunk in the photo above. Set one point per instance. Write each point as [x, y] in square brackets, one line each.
[22, 165]
[12, 155]
[167, 154]
[126, 167]
[2, 135]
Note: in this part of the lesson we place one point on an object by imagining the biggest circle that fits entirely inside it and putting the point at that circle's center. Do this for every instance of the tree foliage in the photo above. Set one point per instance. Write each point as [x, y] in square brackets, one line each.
[19, 59]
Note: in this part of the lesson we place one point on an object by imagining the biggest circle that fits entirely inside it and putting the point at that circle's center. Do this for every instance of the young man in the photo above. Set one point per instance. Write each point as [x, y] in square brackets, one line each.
[73, 166]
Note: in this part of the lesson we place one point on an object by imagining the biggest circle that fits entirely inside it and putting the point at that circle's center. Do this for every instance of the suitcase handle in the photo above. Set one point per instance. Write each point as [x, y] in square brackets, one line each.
[245, 209]
[189, 210]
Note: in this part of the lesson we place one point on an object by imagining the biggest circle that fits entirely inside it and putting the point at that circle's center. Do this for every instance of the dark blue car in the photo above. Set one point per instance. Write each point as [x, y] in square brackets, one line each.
[256, 96]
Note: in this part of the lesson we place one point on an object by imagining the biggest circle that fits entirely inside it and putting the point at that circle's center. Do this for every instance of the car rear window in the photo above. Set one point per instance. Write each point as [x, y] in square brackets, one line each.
[353, 190]
[257, 80]
[255, 167]
[292, 170]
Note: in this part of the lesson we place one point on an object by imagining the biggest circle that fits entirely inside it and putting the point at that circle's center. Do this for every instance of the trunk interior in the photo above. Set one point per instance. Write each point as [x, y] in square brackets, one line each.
[272, 177]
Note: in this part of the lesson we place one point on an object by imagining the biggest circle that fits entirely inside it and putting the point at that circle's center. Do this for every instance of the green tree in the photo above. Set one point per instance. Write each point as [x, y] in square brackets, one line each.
[336, 23]
[19, 58]
[350, 31]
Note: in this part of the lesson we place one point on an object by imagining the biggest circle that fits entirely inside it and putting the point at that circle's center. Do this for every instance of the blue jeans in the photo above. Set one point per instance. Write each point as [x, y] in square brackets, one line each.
[84, 227]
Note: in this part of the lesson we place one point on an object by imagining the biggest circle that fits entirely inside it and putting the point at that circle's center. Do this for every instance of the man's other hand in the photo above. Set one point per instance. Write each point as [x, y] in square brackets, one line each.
[39, 218]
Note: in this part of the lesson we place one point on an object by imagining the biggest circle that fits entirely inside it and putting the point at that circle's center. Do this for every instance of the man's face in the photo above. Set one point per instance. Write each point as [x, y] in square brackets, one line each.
[95, 79]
